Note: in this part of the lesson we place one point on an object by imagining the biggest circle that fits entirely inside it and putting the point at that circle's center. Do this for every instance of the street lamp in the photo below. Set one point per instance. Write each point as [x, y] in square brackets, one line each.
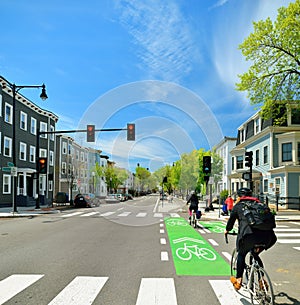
[43, 96]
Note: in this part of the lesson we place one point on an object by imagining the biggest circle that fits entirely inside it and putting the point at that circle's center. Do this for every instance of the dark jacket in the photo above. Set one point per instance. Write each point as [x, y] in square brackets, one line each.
[193, 200]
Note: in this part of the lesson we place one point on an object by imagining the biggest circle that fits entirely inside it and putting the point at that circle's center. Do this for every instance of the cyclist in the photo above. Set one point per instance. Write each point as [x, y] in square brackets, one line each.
[194, 202]
[247, 237]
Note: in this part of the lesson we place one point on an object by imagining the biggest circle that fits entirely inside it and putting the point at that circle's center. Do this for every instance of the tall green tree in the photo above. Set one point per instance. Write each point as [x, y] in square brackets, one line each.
[274, 50]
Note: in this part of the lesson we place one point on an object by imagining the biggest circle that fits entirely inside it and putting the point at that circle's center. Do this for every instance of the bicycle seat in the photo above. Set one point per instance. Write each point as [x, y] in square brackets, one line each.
[259, 248]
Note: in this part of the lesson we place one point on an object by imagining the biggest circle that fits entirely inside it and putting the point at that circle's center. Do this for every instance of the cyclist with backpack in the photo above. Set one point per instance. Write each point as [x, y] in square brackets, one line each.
[194, 202]
[248, 234]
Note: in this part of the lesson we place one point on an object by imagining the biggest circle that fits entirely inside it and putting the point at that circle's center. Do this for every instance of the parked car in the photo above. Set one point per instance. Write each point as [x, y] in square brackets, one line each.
[61, 198]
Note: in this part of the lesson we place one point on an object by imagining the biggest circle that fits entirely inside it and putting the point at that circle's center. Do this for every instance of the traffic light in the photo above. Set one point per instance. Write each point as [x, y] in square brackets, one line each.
[206, 164]
[90, 133]
[130, 132]
[43, 165]
[248, 158]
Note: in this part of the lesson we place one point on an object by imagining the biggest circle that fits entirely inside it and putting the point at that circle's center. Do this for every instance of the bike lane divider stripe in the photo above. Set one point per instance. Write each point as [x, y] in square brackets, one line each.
[192, 254]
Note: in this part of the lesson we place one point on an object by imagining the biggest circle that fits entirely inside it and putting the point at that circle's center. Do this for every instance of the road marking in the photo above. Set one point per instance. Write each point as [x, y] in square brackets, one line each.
[141, 214]
[14, 284]
[174, 215]
[288, 241]
[288, 234]
[107, 214]
[164, 256]
[157, 291]
[297, 248]
[161, 231]
[81, 291]
[226, 294]
[161, 225]
[287, 230]
[227, 255]
[158, 215]
[124, 214]
[89, 214]
[295, 223]
[72, 214]
[163, 241]
[213, 242]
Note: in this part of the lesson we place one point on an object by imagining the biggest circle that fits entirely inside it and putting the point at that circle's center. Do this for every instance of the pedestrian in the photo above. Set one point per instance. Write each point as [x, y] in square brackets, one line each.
[229, 203]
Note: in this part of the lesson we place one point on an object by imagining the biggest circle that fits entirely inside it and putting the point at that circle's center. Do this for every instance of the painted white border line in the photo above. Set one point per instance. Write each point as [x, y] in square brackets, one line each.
[164, 256]
[89, 214]
[288, 241]
[225, 293]
[14, 284]
[157, 291]
[141, 214]
[81, 291]
[72, 214]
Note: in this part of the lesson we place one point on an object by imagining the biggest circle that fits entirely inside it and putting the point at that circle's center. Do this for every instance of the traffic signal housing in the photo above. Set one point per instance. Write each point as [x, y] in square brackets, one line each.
[130, 132]
[206, 164]
[42, 165]
[90, 133]
[249, 159]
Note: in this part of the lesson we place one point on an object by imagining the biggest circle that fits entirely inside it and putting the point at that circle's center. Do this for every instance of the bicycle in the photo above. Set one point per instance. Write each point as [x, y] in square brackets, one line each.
[193, 219]
[255, 278]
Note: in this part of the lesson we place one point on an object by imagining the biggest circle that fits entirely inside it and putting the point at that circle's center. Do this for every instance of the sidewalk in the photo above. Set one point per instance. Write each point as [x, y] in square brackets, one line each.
[27, 211]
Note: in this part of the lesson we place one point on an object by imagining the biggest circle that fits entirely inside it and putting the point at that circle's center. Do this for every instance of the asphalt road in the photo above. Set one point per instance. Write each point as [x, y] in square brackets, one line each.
[117, 251]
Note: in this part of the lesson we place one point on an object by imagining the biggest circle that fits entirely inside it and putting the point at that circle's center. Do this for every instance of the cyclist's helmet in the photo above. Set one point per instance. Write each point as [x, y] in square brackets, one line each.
[244, 192]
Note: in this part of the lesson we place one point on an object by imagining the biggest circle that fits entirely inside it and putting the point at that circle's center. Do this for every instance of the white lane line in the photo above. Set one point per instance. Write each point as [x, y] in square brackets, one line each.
[226, 294]
[107, 214]
[164, 256]
[159, 215]
[81, 291]
[174, 215]
[15, 283]
[161, 225]
[295, 223]
[124, 214]
[227, 255]
[213, 242]
[156, 205]
[141, 214]
[201, 231]
[297, 248]
[72, 214]
[161, 231]
[89, 214]
[163, 241]
[288, 241]
[160, 291]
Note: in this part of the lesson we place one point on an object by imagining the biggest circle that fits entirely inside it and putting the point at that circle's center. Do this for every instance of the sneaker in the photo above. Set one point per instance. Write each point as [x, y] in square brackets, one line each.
[237, 284]
[263, 285]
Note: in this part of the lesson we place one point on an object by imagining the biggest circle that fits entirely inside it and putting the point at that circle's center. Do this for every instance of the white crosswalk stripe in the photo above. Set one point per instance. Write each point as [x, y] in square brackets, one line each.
[14, 284]
[287, 235]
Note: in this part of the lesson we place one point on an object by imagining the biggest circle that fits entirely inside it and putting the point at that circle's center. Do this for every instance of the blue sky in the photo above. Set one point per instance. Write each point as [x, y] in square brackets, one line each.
[169, 66]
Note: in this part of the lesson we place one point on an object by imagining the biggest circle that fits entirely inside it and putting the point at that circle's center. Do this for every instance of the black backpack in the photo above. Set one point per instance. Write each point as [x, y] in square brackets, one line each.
[259, 215]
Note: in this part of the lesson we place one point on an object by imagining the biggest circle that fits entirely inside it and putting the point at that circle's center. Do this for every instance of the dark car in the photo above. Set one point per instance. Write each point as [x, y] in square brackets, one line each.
[81, 201]
[61, 198]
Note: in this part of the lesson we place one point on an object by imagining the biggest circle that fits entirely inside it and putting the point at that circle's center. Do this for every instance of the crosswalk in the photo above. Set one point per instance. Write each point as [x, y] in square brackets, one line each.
[117, 213]
[84, 290]
[287, 235]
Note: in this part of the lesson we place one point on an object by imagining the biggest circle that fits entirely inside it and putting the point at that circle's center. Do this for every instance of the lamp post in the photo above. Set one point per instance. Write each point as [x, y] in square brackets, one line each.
[15, 90]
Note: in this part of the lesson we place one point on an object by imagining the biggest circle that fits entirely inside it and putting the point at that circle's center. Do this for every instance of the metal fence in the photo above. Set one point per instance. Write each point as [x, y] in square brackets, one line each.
[291, 203]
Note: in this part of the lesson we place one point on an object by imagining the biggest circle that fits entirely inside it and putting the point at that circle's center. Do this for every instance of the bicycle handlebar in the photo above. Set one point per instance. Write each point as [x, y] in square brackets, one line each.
[229, 233]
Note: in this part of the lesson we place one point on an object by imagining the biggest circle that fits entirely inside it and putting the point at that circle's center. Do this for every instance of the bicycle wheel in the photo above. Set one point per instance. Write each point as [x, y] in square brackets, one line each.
[261, 288]
[233, 266]
[233, 263]
[183, 254]
[195, 221]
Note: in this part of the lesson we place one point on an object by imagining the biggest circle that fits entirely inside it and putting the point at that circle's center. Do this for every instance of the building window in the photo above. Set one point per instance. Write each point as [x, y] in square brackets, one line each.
[0, 104]
[23, 147]
[295, 116]
[257, 157]
[286, 152]
[0, 142]
[298, 152]
[32, 154]
[51, 154]
[43, 153]
[7, 147]
[63, 168]
[64, 147]
[6, 184]
[52, 134]
[8, 113]
[257, 125]
[43, 127]
[239, 162]
[50, 185]
[33, 126]
[23, 120]
[265, 185]
[266, 157]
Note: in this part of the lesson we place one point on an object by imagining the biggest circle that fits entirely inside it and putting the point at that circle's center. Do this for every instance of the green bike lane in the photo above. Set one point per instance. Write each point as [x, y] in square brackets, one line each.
[192, 254]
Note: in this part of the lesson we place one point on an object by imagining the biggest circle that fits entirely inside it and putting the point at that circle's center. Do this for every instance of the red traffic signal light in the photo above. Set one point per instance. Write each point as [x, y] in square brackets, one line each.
[249, 158]
[90, 133]
[206, 164]
[130, 132]
[43, 165]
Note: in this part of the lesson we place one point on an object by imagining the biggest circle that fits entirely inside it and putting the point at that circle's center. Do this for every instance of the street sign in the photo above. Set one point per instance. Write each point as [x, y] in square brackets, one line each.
[14, 171]
[10, 164]
[6, 169]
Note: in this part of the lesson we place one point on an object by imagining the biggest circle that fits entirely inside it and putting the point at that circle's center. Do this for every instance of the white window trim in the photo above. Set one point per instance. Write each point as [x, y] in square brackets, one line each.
[23, 148]
[10, 146]
[33, 126]
[8, 178]
[22, 113]
[43, 127]
[33, 150]
[11, 114]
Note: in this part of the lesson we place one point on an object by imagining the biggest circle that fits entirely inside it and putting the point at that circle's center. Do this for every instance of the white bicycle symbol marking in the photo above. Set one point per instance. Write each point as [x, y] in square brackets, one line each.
[177, 222]
[186, 252]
